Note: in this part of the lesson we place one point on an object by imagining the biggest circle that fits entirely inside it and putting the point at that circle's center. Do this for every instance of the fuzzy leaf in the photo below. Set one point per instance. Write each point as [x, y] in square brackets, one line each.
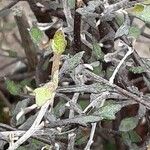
[12, 87]
[36, 34]
[11, 53]
[134, 32]
[43, 94]
[128, 124]
[123, 30]
[97, 51]
[71, 63]
[59, 42]
[134, 137]
[71, 4]
[108, 111]
[138, 8]
[144, 15]
[137, 70]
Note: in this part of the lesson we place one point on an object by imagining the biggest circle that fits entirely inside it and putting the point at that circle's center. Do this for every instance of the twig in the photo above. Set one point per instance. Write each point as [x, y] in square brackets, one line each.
[7, 127]
[130, 51]
[67, 13]
[71, 136]
[36, 126]
[71, 141]
[90, 141]
[141, 100]
[77, 29]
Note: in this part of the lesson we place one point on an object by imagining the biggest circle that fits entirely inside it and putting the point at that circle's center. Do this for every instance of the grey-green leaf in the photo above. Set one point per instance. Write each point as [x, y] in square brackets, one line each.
[71, 4]
[134, 32]
[137, 70]
[145, 14]
[97, 52]
[128, 124]
[71, 63]
[108, 111]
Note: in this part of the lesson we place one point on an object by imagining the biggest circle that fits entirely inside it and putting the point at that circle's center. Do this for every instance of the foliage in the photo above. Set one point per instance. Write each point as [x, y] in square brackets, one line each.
[59, 42]
[128, 124]
[42, 94]
[87, 78]
[108, 111]
[138, 70]
[36, 34]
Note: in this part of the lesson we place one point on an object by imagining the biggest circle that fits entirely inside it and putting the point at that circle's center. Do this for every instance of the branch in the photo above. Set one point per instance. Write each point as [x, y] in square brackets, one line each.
[22, 21]
[91, 137]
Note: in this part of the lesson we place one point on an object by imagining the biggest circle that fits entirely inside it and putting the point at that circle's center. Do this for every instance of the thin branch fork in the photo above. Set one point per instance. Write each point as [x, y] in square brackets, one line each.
[136, 98]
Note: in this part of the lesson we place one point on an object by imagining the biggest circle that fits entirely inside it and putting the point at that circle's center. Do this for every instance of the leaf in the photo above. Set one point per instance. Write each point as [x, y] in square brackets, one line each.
[59, 42]
[137, 70]
[134, 137]
[124, 28]
[71, 63]
[11, 53]
[33, 144]
[126, 138]
[36, 34]
[108, 111]
[71, 4]
[12, 87]
[20, 105]
[138, 8]
[134, 32]
[81, 139]
[119, 18]
[97, 51]
[43, 94]
[128, 124]
[144, 15]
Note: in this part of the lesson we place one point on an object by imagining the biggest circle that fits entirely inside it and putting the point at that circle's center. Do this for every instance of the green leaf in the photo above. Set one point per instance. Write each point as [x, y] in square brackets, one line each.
[12, 87]
[25, 82]
[138, 8]
[119, 18]
[130, 138]
[123, 29]
[71, 4]
[108, 111]
[71, 63]
[59, 42]
[126, 138]
[144, 15]
[81, 139]
[36, 34]
[43, 94]
[128, 124]
[134, 137]
[11, 53]
[83, 103]
[137, 70]
[134, 32]
[97, 52]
